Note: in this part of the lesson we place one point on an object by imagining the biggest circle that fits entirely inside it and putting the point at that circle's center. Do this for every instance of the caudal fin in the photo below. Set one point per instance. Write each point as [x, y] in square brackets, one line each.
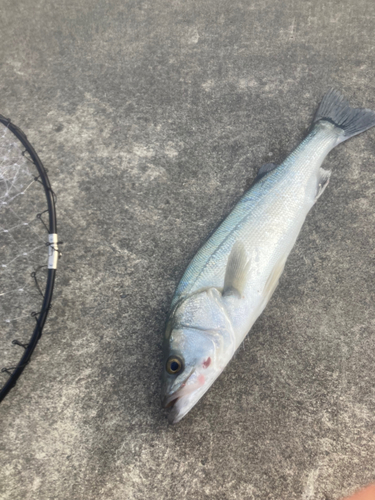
[336, 109]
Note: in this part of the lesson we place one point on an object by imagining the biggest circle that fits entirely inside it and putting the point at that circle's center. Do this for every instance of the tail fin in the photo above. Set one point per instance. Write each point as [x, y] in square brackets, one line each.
[336, 109]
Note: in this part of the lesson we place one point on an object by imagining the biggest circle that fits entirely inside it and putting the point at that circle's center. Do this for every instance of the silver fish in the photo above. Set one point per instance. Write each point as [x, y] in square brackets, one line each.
[231, 279]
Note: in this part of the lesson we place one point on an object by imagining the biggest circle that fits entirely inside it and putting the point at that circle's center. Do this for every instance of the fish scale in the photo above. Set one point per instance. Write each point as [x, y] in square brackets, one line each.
[283, 193]
[231, 279]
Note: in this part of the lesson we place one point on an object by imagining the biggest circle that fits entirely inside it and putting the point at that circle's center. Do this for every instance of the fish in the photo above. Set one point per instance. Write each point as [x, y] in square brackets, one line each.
[230, 280]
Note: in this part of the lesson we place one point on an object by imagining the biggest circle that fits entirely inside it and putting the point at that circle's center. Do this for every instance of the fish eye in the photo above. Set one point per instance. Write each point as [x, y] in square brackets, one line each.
[174, 365]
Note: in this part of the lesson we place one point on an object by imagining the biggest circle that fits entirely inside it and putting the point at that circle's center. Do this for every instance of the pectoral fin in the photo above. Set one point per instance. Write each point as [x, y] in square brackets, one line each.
[323, 181]
[237, 271]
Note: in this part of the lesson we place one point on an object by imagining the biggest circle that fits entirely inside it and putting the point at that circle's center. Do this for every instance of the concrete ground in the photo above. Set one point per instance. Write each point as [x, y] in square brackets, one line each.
[153, 118]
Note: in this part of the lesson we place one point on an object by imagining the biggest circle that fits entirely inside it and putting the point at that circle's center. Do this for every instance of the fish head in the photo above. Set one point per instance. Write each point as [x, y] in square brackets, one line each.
[198, 344]
[192, 362]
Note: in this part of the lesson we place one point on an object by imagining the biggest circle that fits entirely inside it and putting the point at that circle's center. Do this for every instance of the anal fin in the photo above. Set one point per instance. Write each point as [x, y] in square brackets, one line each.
[323, 180]
[273, 279]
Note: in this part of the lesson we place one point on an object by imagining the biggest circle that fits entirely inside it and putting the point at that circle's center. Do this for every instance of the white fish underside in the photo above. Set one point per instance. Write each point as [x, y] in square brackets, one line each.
[267, 220]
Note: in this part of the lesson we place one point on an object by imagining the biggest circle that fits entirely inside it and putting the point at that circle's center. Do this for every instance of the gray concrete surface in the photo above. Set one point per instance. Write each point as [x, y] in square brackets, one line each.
[152, 118]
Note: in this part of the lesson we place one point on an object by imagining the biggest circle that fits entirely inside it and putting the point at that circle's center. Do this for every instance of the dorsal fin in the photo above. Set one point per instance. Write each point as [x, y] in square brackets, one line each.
[236, 271]
[264, 169]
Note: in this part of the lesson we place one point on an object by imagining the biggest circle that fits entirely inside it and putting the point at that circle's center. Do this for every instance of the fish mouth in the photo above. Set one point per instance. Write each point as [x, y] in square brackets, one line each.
[178, 406]
[182, 400]
[169, 401]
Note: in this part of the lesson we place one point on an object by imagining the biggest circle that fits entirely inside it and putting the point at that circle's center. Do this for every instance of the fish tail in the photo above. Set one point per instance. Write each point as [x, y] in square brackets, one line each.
[336, 109]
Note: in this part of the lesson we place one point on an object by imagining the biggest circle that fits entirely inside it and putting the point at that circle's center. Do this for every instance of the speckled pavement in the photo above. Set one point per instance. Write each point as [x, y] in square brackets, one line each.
[152, 119]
